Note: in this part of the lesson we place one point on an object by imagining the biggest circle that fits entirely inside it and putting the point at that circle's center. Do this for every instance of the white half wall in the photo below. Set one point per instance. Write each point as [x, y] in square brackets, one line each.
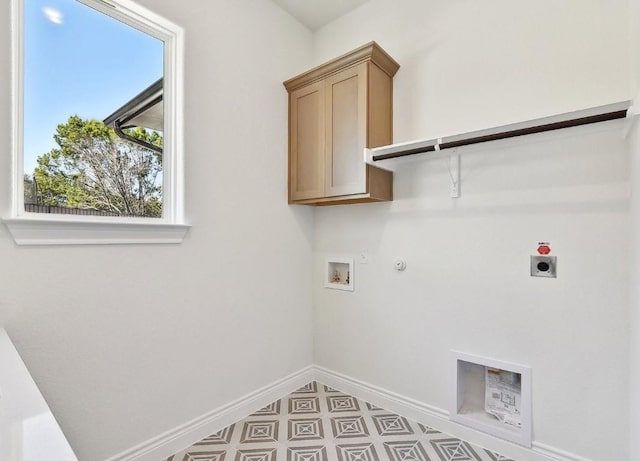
[471, 65]
[127, 342]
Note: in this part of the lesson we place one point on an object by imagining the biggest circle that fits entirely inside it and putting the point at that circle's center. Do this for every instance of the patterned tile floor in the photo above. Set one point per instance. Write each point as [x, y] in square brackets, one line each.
[317, 423]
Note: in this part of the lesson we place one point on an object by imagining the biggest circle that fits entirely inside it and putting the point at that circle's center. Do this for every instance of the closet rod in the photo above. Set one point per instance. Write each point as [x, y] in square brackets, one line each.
[537, 129]
[405, 153]
[583, 117]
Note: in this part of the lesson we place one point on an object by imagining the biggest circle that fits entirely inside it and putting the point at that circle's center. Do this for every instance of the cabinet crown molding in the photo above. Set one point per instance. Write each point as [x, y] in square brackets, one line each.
[369, 52]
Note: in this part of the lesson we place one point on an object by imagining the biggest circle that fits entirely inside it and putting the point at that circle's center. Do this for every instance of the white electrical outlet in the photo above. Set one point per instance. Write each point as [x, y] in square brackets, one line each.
[364, 257]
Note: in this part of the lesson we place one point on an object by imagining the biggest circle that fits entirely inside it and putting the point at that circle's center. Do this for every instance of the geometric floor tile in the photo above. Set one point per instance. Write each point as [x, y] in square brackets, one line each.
[316, 453]
[454, 450]
[349, 427]
[410, 450]
[259, 431]
[497, 457]
[342, 403]
[319, 423]
[222, 437]
[389, 424]
[303, 405]
[310, 388]
[259, 454]
[427, 429]
[202, 456]
[272, 409]
[372, 407]
[305, 429]
[357, 452]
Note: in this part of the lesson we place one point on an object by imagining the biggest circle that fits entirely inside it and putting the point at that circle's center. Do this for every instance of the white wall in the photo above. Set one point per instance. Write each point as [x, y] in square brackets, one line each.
[634, 288]
[127, 342]
[470, 65]
[634, 285]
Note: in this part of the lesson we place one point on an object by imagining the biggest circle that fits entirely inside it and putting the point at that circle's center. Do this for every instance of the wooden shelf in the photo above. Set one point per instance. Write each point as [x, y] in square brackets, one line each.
[389, 157]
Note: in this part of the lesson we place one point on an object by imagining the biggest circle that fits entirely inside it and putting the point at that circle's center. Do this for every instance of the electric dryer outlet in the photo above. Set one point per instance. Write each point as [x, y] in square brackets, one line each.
[544, 266]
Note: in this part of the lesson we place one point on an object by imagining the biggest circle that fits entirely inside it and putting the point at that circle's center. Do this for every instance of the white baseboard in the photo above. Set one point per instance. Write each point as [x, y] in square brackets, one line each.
[556, 453]
[438, 418]
[164, 445]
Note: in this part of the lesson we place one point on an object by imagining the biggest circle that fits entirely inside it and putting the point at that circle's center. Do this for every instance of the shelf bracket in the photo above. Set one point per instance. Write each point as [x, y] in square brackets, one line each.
[632, 121]
[454, 176]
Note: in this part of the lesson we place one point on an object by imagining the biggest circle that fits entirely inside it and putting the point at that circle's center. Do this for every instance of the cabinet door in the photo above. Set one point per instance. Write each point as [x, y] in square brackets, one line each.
[346, 131]
[307, 142]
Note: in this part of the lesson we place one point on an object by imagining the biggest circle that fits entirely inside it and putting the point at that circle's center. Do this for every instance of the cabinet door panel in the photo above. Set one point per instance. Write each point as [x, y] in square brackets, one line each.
[346, 132]
[307, 142]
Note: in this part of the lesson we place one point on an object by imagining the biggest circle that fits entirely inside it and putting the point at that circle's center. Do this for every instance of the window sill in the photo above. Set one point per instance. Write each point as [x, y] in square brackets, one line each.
[38, 231]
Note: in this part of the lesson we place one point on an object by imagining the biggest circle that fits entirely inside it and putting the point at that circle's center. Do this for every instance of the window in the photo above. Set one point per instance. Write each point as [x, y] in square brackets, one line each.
[97, 124]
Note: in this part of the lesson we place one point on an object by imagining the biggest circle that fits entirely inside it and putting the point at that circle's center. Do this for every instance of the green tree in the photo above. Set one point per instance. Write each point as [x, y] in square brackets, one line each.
[93, 168]
[29, 189]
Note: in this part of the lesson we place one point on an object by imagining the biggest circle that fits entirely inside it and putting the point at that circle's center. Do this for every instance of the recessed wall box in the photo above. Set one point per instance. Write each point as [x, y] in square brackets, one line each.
[492, 396]
[544, 266]
[338, 273]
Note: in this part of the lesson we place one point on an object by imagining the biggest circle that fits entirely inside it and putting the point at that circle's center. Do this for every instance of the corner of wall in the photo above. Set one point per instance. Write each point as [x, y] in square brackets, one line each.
[634, 290]
[634, 293]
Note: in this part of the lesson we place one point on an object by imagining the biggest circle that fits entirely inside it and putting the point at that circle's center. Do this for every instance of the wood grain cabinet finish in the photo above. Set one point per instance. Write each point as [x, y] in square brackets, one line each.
[335, 111]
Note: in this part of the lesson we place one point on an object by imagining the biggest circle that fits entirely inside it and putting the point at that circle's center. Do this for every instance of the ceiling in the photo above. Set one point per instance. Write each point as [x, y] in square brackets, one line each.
[316, 13]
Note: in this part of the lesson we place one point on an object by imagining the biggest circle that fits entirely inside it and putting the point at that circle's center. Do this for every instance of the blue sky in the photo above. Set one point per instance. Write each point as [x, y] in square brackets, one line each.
[79, 62]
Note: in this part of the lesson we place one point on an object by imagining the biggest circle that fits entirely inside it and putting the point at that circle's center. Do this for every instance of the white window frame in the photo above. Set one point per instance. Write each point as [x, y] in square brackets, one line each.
[51, 229]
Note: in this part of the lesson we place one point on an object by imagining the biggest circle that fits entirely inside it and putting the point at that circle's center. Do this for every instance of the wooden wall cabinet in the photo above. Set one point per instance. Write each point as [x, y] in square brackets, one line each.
[335, 111]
